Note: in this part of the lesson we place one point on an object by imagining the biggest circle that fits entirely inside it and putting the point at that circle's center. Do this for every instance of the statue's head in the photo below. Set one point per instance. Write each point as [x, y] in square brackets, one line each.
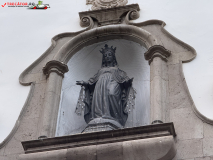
[108, 56]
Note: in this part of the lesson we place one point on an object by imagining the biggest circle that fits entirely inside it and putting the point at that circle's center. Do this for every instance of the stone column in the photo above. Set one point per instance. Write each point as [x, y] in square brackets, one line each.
[157, 57]
[54, 70]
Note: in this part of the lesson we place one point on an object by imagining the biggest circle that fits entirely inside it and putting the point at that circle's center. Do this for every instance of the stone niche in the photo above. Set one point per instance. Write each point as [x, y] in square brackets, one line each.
[165, 123]
[85, 63]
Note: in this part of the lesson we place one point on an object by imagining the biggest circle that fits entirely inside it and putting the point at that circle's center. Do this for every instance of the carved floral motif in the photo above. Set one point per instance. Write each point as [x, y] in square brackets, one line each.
[103, 4]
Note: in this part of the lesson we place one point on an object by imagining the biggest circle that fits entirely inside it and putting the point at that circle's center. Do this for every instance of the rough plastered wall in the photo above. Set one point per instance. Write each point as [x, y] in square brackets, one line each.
[26, 34]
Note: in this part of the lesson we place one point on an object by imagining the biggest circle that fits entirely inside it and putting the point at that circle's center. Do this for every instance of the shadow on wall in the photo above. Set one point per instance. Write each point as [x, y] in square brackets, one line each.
[85, 63]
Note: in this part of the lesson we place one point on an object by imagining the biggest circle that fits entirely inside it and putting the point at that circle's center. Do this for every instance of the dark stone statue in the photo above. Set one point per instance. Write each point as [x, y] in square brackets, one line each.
[107, 97]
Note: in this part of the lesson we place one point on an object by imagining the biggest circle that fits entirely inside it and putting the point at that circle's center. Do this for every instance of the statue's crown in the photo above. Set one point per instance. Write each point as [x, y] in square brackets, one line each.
[106, 48]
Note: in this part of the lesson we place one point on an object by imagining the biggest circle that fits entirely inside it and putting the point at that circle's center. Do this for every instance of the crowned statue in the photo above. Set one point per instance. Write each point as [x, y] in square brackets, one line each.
[107, 97]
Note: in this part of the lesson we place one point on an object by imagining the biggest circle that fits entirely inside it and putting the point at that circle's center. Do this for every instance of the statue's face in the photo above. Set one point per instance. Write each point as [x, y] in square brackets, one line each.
[108, 56]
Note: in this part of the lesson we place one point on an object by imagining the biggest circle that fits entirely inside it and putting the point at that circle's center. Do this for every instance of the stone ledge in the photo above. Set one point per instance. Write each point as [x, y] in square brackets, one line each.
[96, 138]
[157, 148]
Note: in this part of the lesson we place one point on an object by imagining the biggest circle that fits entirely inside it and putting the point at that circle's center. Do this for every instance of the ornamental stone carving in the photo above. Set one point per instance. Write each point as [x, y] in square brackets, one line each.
[113, 16]
[157, 51]
[55, 66]
[103, 4]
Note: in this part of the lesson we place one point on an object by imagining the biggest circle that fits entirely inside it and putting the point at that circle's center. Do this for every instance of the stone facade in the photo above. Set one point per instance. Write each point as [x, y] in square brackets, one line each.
[170, 97]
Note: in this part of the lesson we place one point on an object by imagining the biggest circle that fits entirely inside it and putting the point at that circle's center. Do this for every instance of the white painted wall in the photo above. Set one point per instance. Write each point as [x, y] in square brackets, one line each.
[26, 34]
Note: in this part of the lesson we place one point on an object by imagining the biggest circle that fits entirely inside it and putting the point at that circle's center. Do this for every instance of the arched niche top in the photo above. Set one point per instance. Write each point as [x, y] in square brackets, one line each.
[110, 32]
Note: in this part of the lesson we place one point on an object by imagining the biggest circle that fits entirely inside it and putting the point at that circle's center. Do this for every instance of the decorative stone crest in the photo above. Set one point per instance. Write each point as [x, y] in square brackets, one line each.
[113, 16]
[104, 4]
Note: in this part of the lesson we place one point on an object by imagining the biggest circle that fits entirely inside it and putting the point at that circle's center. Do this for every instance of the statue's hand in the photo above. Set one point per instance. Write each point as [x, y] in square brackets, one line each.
[82, 83]
[130, 81]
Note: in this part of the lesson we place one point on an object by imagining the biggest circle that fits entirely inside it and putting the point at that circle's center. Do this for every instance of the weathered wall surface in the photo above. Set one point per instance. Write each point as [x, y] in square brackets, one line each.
[193, 140]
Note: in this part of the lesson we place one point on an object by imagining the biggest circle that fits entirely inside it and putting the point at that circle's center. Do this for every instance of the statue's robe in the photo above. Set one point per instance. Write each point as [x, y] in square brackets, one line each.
[108, 95]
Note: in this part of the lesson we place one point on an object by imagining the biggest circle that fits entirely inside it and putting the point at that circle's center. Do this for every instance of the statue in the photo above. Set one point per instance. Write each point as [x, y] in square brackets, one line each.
[107, 97]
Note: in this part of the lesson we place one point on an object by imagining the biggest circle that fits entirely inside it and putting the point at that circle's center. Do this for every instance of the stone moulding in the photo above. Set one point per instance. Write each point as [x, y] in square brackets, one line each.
[95, 138]
[146, 142]
[102, 34]
[157, 148]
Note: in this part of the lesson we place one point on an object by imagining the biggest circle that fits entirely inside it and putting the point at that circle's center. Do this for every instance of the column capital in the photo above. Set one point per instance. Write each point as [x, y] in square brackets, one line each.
[157, 51]
[55, 66]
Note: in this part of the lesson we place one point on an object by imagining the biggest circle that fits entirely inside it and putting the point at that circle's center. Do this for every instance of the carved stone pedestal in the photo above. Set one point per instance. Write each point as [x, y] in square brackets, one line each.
[100, 124]
[153, 142]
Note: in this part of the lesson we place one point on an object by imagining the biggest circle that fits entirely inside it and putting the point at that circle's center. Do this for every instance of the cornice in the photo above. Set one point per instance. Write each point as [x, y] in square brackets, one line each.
[104, 33]
[94, 138]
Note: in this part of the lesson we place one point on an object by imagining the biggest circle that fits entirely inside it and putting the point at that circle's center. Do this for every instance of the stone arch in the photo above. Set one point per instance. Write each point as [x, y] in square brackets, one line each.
[110, 32]
[57, 67]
